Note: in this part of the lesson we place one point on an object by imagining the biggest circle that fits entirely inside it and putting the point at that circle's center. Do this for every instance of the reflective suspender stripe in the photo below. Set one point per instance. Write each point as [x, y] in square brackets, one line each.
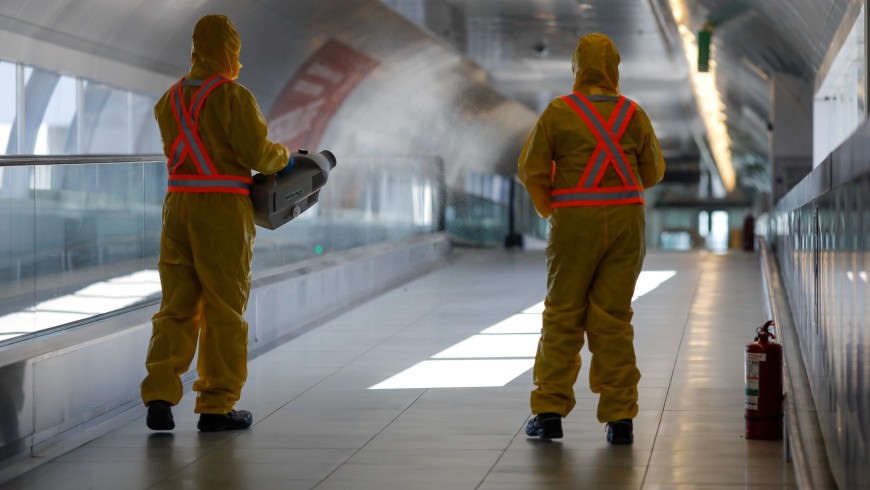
[594, 173]
[608, 150]
[191, 138]
[592, 176]
[204, 91]
[177, 152]
[620, 123]
[191, 144]
[593, 120]
[188, 143]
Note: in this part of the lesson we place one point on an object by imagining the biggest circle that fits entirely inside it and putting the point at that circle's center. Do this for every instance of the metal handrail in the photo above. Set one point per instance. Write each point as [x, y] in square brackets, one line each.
[45, 160]
[846, 163]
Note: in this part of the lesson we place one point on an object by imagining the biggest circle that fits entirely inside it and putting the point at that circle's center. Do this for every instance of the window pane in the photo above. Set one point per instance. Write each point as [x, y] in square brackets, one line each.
[106, 121]
[38, 90]
[57, 132]
[145, 133]
[8, 95]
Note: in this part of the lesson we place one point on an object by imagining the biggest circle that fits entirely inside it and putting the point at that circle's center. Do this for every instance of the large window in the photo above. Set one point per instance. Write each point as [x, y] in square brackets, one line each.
[106, 119]
[46, 113]
[8, 102]
[57, 134]
[146, 137]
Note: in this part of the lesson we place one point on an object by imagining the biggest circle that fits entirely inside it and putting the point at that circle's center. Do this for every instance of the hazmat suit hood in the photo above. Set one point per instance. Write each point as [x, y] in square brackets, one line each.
[596, 65]
[216, 47]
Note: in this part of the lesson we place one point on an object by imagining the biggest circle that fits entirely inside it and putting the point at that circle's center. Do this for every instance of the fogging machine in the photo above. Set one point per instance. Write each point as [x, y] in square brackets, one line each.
[278, 198]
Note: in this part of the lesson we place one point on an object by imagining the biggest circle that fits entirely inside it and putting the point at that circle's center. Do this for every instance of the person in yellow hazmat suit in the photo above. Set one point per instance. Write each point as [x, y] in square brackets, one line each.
[585, 166]
[213, 136]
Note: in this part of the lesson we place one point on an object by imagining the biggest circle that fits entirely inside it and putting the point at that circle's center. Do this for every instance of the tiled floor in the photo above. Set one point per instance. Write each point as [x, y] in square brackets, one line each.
[319, 425]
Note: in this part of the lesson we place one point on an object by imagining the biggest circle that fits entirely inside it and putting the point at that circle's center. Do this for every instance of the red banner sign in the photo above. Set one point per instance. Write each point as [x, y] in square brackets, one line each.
[311, 98]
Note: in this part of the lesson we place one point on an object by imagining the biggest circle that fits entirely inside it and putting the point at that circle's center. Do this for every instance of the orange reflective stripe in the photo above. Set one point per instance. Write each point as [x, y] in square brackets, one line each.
[191, 137]
[189, 144]
[595, 169]
[608, 152]
[606, 196]
[611, 159]
[199, 97]
[177, 155]
[207, 190]
[234, 184]
[183, 146]
[603, 134]
[586, 201]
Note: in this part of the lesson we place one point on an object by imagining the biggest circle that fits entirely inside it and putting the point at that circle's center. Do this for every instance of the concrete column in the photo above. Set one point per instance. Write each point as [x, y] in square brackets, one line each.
[791, 142]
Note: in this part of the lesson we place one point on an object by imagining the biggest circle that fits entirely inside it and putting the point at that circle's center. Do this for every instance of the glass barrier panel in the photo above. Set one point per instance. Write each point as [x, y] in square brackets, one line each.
[365, 201]
[73, 244]
[476, 219]
[82, 240]
[18, 252]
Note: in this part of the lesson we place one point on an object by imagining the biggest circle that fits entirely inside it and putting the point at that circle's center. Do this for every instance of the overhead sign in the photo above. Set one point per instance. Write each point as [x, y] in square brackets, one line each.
[704, 49]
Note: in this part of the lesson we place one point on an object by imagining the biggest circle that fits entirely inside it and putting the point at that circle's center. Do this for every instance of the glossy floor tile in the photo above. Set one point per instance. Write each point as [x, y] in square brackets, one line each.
[320, 424]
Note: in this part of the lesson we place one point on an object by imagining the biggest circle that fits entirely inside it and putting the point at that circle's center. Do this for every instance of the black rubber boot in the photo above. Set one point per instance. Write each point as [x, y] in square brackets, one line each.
[234, 420]
[545, 425]
[160, 415]
[620, 431]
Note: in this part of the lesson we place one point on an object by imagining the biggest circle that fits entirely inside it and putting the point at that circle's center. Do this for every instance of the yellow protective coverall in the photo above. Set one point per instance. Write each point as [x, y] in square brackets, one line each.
[207, 240]
[594, 253]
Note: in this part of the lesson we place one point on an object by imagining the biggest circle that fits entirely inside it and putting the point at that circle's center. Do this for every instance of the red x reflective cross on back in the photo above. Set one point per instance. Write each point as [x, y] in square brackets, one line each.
[189, 145]
[607, 153]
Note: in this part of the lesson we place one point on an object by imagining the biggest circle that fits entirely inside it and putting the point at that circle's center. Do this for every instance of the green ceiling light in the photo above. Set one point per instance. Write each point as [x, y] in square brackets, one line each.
[704, 37]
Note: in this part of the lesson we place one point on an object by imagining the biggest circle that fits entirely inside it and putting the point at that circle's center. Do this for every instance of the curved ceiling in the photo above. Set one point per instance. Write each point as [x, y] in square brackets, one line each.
[522, 48]
[527, 45]
[418, 98]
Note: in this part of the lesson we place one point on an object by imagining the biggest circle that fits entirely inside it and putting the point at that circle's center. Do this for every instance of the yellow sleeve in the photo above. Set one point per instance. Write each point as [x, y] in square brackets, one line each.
[535, 167]
[248, 135]
[650, 162]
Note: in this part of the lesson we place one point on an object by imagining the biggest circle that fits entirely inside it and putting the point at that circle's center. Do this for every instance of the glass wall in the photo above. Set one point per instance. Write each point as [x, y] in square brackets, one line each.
[48, 113]
[820, 232]
[85, 241]
[479, 212]
[70, 250]
[366, 200]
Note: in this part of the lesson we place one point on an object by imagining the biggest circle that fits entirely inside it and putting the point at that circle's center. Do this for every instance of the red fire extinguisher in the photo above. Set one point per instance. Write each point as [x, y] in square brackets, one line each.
[764, 396]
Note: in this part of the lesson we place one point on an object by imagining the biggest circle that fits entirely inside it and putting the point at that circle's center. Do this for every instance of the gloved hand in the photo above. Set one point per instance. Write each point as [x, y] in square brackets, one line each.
[286, 168]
